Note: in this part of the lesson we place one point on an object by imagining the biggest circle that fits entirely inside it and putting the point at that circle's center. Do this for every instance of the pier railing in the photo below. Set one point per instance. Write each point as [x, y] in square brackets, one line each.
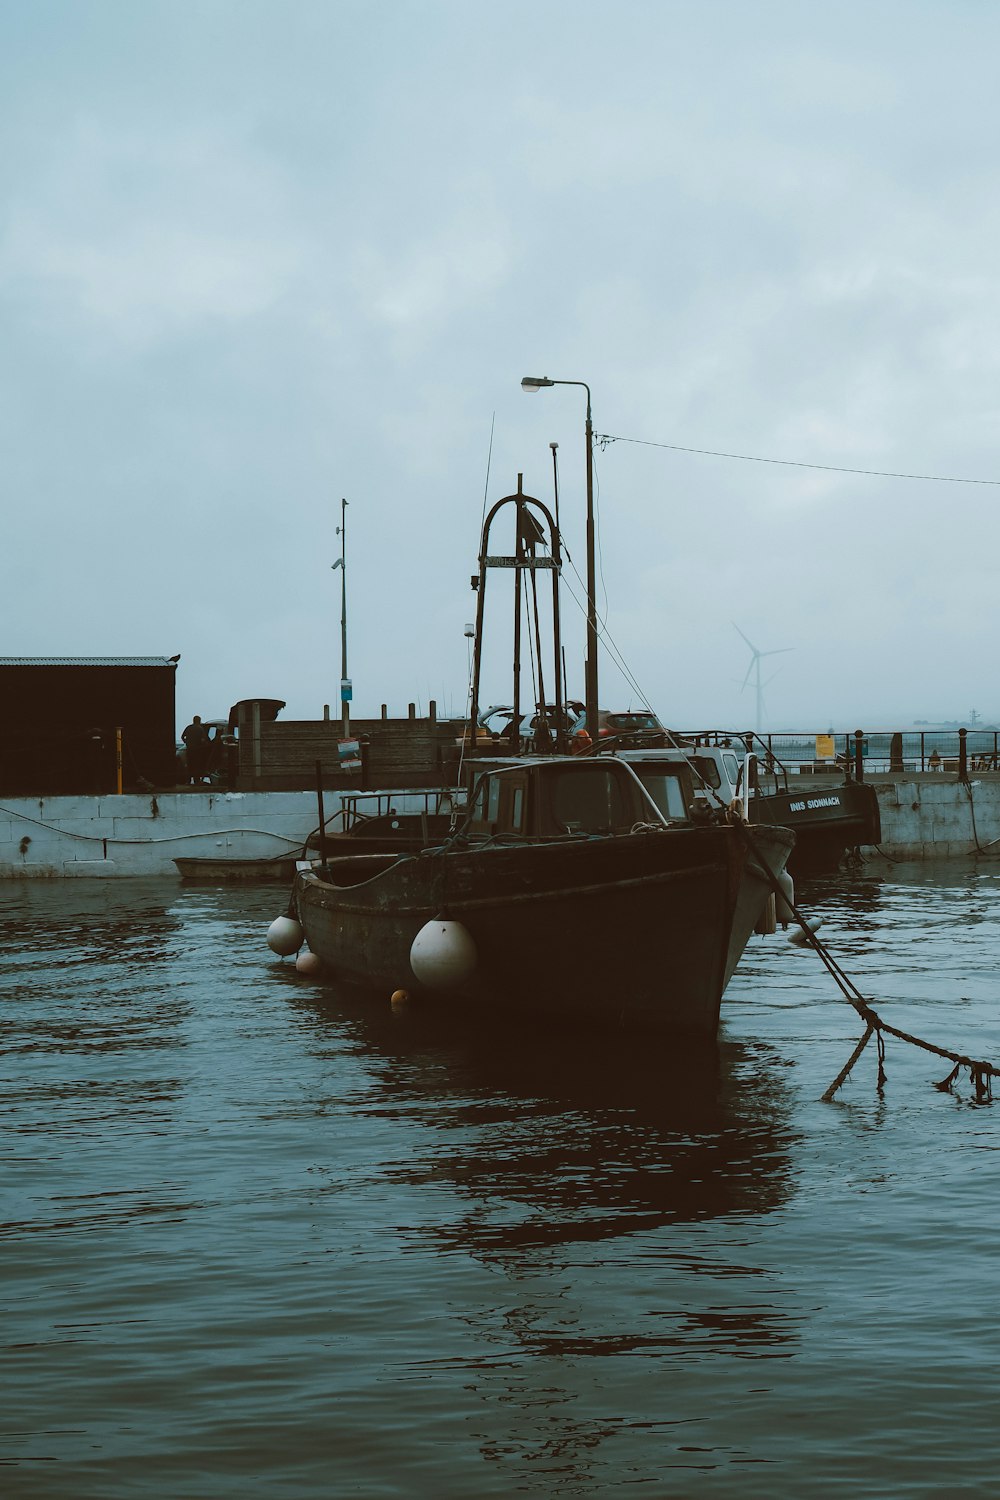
[784, 753]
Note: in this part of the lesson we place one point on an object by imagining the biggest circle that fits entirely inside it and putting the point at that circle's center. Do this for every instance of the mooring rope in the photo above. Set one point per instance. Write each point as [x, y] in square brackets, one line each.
[986, 849]
[980, 1073]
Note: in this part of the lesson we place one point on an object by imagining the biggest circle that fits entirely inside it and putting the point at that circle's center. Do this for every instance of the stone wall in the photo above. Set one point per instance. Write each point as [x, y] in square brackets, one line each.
[932, 816]
[140, 835]
[936, 816]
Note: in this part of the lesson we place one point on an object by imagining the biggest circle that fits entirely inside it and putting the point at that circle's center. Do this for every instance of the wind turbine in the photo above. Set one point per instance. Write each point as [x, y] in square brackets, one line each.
[754, 668]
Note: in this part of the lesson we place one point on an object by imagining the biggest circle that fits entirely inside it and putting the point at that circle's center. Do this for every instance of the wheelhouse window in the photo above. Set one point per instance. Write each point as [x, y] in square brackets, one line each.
[591, 799]
[666, 787]
[485, 810]
[707, 770]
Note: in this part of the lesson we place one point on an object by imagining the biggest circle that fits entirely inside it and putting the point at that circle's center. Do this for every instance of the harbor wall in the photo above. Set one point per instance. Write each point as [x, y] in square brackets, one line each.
[924, 816]
[42, 837]
[938, 816]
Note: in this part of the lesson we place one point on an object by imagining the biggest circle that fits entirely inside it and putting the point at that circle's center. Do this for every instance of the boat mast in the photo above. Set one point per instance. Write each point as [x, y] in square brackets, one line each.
[515, 739]
[528, 533]
[533, 383]
[345, 681]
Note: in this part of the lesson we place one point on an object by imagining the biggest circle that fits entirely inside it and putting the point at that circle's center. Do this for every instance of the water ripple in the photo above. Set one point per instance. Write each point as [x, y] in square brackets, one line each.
[265, 1234]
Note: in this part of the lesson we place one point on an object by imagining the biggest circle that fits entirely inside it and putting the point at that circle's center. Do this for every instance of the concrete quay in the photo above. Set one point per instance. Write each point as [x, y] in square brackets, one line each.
[933, 814]
[925, 815]
[113, 836]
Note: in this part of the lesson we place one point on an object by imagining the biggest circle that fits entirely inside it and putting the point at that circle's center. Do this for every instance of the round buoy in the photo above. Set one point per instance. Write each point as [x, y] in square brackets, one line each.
[308, 963]
[399, 997]
[783, 903]
[285, 936]
[442, 954]
[801, 938]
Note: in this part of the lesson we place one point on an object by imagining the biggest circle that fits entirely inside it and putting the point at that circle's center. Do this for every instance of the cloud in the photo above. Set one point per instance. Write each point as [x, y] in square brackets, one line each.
[313, 250]
[146, 237]
[436, 277]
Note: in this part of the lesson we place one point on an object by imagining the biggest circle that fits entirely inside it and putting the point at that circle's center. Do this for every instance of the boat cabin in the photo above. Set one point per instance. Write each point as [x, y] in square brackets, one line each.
[555, 797]
[717, 773]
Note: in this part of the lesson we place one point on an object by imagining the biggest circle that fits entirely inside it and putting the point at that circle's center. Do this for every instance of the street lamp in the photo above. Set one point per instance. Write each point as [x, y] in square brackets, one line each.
[531, 384]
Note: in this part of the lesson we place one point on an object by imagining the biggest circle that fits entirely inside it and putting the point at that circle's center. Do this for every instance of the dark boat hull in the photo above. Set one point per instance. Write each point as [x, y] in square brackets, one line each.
[631, 930]
[826, 821]
[277, 870]
[771, 854]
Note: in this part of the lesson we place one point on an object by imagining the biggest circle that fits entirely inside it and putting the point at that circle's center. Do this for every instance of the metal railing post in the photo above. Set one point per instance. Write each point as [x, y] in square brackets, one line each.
[963, 755]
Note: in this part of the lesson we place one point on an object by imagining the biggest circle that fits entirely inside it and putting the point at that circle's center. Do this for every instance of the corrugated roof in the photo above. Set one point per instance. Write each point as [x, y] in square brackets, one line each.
[87, 661]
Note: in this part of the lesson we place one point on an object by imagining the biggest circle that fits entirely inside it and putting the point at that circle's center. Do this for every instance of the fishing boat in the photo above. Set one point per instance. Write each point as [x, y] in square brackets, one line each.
[829, 818]
[829, 822]
[569, 890]
[566, 893]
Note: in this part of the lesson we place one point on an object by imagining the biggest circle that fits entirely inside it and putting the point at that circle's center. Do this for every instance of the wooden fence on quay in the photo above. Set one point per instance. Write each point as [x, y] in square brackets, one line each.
[283, 755]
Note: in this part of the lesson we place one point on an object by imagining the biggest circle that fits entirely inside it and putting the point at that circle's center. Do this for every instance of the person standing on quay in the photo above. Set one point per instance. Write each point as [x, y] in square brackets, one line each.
[195, 739]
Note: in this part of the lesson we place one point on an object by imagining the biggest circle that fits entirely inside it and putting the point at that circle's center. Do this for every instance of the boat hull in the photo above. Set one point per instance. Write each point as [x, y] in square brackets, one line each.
[771, 852]
[826, 821]
[634, 931]
[277, 869]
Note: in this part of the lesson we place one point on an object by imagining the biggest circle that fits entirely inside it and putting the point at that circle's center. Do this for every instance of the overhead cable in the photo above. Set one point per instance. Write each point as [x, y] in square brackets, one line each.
[790, 463]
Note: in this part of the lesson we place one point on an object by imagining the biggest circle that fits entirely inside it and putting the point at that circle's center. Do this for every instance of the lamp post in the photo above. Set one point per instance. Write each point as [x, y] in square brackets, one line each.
[532, 383]
[345, 684]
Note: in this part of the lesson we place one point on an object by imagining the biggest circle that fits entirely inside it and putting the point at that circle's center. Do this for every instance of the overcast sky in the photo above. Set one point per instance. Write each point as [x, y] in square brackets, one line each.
[257, 255]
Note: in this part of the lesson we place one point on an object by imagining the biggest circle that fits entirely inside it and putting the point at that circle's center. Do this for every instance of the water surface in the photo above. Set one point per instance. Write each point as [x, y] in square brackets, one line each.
[264, 1236]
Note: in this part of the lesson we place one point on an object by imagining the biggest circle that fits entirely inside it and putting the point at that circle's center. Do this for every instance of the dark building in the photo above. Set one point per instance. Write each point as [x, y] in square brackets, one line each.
[60, 718]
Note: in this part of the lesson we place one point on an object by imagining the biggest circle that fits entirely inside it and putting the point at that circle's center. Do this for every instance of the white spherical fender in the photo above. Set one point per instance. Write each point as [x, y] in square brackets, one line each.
[309, 963]
[443, 954]
[800, 936]
[285, 936]
[785, 901]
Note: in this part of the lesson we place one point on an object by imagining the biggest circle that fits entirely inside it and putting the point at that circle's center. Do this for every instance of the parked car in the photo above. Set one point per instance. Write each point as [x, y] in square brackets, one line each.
[494, 727]
[629, 729]
[635, 729]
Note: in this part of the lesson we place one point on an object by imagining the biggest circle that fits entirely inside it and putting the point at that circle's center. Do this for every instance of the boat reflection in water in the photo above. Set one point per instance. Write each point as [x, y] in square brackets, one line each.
[554, 1141]
[586, 1231]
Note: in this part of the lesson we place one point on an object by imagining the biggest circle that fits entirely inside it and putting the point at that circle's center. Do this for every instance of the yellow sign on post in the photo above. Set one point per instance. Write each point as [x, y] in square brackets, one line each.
[824, 747]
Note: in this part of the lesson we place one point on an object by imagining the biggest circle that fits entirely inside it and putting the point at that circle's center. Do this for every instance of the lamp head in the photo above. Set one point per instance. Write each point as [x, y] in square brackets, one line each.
[535, 382]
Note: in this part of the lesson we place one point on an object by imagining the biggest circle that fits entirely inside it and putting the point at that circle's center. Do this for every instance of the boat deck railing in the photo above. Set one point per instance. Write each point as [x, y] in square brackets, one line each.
[770, 773]
[406, 802]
